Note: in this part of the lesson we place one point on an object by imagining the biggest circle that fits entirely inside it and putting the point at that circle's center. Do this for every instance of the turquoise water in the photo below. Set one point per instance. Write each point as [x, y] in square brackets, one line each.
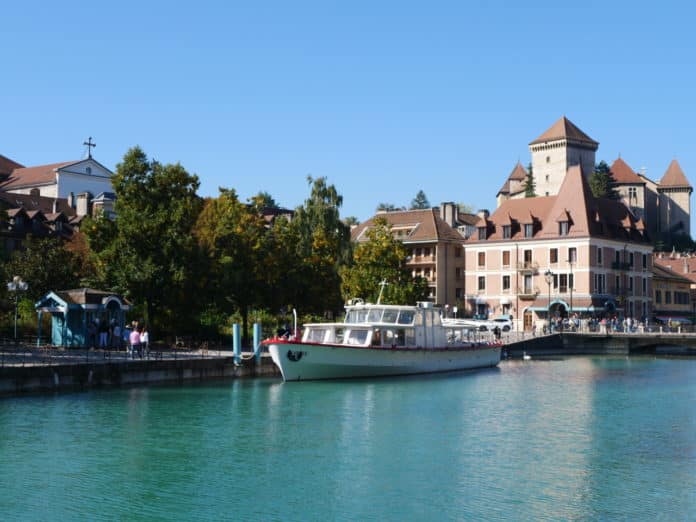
[574, 439]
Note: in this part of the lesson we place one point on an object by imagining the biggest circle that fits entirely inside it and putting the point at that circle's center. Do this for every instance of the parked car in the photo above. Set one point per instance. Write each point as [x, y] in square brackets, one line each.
[503, 322]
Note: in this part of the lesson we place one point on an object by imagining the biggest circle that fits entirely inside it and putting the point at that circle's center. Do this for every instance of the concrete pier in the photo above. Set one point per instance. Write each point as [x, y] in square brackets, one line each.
[27, 374]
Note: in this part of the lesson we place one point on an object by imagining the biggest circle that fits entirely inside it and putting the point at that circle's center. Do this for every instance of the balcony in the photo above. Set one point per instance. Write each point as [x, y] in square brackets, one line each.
[528, 293]
[528, 267]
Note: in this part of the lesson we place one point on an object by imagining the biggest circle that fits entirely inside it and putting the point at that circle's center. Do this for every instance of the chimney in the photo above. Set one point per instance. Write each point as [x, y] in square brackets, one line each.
[82, 204]
[449, 213]
[483, 213]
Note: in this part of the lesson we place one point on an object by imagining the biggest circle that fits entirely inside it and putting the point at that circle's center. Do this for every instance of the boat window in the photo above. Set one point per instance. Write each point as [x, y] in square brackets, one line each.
[356, 316]
[436, 320]
[376, 338]
[395, 337]
[389, 316]
[418, 319]
[405, 317]
[338, 335]
[428, 319]
[374, 316]
[357, 337]
[316, 335]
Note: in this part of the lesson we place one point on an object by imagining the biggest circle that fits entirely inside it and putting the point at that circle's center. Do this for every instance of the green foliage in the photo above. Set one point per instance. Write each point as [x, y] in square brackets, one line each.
[232, 236]
[150, 254]
[382, 258]
[529, 184]
[465, 208]
[45, 264]
[420, 201]
[602, 182]
[387, 207]
[264, 200]
[350, 221]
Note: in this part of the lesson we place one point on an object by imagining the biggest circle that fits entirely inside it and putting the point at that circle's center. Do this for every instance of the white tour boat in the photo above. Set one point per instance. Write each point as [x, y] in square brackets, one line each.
[378, 340]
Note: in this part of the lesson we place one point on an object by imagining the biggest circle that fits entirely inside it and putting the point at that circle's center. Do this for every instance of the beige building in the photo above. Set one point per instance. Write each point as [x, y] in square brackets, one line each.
[559, 254]
[671, 295]
[435, 248]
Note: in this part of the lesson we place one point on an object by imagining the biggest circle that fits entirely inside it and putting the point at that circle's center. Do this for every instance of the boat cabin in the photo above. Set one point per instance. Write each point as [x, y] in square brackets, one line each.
[383, 326]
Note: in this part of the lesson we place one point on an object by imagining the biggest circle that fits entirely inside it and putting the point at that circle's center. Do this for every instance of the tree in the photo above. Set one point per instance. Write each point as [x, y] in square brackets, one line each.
[45, 264]
[351, 221]
[152, 256]
[317, 243]
[386, 207]
[265, 200]
[382, 258]
[420, 201]
[465, 208]
[602, 182]
[529, 184]
[232, 237]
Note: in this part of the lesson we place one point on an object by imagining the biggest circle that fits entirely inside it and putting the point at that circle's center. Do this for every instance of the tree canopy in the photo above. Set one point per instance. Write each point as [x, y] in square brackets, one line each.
[382, 258]
[529, 184]
[149, 253]
[420, 201]
[602, 182]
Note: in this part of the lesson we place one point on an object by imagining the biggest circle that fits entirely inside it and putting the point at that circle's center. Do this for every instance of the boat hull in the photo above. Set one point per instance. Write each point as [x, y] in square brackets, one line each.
[309, 361]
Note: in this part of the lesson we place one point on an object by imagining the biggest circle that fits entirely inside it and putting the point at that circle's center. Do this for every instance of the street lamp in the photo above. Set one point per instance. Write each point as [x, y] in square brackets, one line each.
[16, 286]
[548, 275]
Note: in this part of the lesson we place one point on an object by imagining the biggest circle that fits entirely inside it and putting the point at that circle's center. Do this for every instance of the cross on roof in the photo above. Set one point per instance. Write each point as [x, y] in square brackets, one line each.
[89, 146]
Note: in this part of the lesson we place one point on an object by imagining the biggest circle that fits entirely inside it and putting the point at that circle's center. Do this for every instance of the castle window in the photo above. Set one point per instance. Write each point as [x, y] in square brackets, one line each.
[88, 170]
[645, 261]
[632, 193]
[506, 282]
[507, 231]
[506, 258]
[548, 160]
[658, 297]
[547, 177]
[572, 255]
[481, 283]
[482, 259]
[528, 230]
[482, 232]
[553, 256]
[563, 227]
[599, 256]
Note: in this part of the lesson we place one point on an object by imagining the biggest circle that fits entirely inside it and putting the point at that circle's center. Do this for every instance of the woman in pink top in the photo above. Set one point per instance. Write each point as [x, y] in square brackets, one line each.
[135, 342]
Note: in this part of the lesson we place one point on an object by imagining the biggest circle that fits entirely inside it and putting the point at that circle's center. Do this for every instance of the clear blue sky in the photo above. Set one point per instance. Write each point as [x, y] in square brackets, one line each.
[382, 98]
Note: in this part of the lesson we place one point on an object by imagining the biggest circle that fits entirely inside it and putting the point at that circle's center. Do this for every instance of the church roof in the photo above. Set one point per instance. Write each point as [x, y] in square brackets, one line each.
[564, 129]
[674, 177]
[622, 173]
[30, 202]
[29, 176]
[7, 165]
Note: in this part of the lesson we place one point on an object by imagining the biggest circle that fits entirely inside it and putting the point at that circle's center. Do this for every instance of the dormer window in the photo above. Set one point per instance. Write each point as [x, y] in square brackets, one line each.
[88, 170]
[528, 230]
[482, 232]
[507, 231]
[59, 226]
[563, 227]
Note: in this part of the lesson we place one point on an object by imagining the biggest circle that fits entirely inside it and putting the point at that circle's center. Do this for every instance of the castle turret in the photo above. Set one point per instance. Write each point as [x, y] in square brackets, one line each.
[675, 201]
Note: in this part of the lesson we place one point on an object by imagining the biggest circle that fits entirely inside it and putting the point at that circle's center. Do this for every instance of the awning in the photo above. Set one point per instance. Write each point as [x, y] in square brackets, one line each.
[504, 300]
[480, 300]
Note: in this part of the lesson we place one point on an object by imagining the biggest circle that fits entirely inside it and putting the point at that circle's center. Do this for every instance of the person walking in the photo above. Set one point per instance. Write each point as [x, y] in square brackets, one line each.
[145, 341]
[103, 333]
[116, 337]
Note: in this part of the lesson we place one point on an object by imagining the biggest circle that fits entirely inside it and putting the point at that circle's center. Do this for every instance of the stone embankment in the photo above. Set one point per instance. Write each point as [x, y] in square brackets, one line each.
[559, 344]
[23, 371]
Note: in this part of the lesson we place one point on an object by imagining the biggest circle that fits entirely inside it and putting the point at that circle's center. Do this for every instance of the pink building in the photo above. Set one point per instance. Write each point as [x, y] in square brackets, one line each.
[564, 253]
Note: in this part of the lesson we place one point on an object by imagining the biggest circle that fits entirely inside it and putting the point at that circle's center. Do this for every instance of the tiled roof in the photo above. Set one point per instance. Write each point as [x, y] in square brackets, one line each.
[587, 215]
[27, 176]
[674, 177]
[519, 173]
[7, 165]
[663, 271]
[29, 202]
[426, 225]
[622, 173]
[564, 129]
[86, 296]
[685, 266]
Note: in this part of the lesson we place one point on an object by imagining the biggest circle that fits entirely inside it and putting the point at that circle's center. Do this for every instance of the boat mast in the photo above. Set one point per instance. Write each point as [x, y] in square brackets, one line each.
[381, 289]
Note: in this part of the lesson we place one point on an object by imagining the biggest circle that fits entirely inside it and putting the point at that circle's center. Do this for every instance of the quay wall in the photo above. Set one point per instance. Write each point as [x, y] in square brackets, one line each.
[16, 380]
[593, 344]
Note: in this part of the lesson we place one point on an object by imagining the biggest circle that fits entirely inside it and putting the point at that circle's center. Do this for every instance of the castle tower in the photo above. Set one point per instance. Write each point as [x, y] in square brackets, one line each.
[674, 192]
[560, 147]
